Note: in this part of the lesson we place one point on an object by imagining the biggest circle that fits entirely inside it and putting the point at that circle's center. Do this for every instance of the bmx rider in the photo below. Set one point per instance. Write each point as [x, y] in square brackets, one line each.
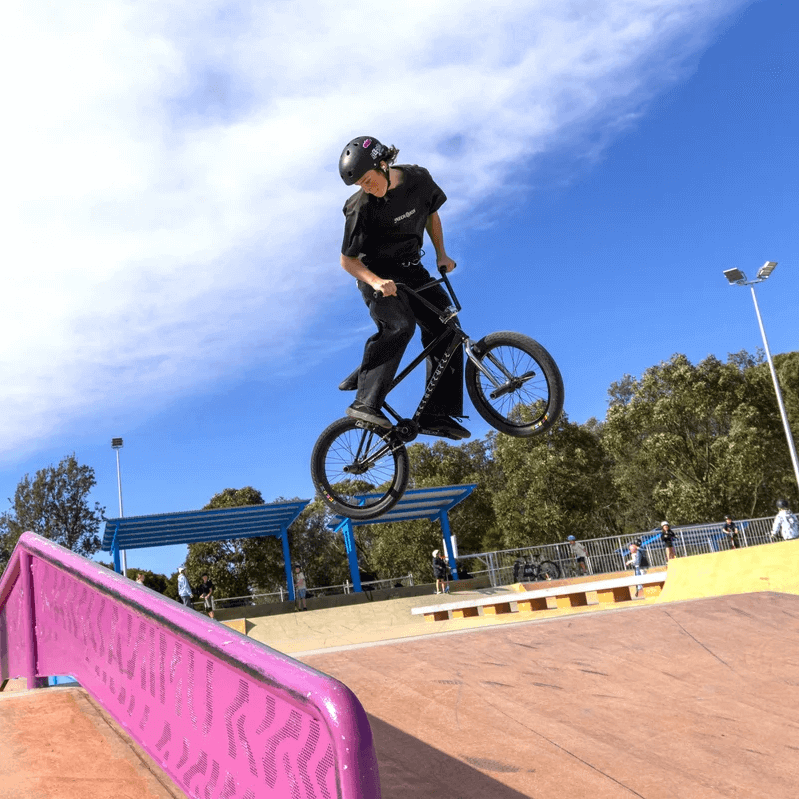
[385, 221]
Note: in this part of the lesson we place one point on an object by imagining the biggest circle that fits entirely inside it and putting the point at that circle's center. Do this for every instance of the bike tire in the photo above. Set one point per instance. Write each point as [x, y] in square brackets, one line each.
[526, 382]
[547, 570]
[349, 461]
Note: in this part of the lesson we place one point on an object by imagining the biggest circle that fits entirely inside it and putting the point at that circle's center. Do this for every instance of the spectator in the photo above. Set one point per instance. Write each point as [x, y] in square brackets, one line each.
[302, 588]
[730, 529]
[639, 562]
[140, 578]
[207, 595]
[785, 523]
[579, 554]
[667, 537]
[184, 589]
[441, 572]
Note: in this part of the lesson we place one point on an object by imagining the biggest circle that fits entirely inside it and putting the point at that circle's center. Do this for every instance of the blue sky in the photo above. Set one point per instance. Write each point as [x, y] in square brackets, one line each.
[173, 212]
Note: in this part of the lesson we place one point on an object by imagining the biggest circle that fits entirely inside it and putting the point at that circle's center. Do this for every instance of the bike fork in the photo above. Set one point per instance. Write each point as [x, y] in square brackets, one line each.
[510, 379]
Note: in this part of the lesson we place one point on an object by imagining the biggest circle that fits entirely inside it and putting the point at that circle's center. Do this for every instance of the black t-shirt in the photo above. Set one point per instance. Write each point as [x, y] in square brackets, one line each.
[391, 227]
[667, 537]
[206, 587]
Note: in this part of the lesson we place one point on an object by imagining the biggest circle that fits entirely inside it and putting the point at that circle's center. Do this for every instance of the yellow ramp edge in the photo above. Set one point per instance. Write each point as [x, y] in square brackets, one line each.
[768, 567]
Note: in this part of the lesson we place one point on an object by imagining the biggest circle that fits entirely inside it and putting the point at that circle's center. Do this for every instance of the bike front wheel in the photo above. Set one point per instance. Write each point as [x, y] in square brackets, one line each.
[514, 384]
[358, 472]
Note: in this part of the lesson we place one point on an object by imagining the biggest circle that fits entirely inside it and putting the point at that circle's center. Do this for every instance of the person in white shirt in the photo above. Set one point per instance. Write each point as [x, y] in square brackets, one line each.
[785, 523]
[184, 589]
[579, 554]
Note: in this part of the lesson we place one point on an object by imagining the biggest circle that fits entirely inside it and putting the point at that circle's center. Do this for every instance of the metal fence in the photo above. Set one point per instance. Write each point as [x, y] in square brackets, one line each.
[324, 590]
[608, 554]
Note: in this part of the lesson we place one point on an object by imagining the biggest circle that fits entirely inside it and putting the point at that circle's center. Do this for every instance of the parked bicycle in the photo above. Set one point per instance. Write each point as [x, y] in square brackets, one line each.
[361, 471]
[530, 570]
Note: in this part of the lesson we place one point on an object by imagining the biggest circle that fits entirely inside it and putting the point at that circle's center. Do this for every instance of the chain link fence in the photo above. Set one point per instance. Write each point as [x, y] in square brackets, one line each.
[605, 555]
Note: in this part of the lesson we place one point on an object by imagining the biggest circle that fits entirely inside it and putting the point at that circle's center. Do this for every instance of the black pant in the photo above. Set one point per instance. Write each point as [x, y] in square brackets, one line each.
[396, 319]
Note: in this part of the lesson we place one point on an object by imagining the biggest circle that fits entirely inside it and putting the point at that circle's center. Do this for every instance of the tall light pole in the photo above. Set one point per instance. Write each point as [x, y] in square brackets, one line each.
[116, 445]
[737, 278]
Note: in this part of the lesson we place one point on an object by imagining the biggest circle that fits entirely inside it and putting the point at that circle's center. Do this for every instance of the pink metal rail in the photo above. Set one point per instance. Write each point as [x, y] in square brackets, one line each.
[225, 716]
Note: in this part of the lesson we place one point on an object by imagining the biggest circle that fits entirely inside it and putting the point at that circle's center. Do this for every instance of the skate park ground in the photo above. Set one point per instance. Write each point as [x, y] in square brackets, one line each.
[692, 694]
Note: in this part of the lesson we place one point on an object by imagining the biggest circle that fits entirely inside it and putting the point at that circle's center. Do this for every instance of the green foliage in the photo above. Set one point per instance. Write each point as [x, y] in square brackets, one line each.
[54, 504]
[255, 565]
[393, 549]
[552, 486]
[694, 442]
[230, 564]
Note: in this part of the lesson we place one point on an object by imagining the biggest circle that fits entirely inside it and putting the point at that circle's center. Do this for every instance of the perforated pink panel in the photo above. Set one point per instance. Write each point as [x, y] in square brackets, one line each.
[224, 715]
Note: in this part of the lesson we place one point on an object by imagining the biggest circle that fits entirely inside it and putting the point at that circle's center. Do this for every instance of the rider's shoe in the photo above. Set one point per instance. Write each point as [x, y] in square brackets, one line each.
[440, 424]
[366, 414]
[350, 382]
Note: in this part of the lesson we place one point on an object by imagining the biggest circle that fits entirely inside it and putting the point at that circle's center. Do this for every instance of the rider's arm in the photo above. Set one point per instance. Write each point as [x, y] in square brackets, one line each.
[436, 233]
[356, 268]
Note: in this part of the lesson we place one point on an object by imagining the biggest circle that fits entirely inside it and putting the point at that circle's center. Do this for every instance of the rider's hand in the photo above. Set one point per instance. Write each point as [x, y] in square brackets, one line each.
[388, 288]
[445, 263]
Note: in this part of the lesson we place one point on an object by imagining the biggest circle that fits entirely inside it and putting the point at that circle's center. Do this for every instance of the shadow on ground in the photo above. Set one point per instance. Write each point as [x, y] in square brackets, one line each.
[411, 768]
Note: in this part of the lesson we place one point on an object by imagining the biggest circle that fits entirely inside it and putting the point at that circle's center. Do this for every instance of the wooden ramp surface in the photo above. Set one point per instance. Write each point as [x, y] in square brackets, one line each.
[691, 700]
[56, 743]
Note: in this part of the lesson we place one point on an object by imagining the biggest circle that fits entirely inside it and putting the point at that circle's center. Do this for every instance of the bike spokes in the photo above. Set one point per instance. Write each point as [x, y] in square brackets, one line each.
[359, 472]
[514, 384]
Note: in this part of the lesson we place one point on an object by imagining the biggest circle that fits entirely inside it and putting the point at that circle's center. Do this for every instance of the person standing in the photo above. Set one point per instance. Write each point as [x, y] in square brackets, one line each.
[785, 523]
[667, 536]
[730, 530]
[184, 589]
[440, 572]
[579, 554]
[301, 588]
[385, 223]
[639, 562]
[207, 595]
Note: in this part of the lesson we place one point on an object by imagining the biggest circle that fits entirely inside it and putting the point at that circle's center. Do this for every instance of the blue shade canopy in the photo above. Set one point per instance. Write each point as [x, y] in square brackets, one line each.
[190, 527]
[417, 503]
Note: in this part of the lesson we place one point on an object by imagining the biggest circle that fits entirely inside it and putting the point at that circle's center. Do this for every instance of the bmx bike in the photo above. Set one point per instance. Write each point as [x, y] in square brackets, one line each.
[361, 471]
[530, 570]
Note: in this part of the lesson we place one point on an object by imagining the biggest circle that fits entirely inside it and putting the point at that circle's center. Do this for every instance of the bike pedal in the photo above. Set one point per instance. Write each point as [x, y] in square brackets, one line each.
[374, 428]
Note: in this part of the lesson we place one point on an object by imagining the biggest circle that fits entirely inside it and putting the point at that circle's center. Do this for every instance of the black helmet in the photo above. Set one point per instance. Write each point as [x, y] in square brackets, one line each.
[359, 156]
[783, 504]
[638, 542]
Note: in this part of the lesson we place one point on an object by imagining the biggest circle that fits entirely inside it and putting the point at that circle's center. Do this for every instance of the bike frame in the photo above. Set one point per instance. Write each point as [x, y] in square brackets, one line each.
[459, 339]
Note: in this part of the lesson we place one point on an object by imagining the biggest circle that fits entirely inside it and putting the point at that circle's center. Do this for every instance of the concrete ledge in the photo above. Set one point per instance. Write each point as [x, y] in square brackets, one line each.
[560, 596]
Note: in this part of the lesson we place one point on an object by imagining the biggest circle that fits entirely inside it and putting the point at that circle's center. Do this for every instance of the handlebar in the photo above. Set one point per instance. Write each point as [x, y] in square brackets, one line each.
[377, 294]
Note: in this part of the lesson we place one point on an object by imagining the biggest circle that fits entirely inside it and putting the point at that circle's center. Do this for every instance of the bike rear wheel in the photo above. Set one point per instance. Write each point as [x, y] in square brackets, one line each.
[358, 472]
[517, 387]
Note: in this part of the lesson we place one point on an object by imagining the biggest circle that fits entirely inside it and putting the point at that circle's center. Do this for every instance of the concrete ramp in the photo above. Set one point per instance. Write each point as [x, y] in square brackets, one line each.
[59, 744]
[769, 567]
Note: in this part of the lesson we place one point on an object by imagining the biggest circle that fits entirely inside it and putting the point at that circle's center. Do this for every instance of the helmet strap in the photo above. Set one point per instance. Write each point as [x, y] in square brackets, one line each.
[387, 175]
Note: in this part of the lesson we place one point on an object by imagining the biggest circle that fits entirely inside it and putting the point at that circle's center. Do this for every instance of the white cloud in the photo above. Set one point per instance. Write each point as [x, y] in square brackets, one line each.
[171, 197]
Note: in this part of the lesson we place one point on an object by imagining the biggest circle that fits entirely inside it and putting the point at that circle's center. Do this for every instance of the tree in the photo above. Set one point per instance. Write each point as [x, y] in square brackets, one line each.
[225, 562]
[55, 504]
[552, 486]
[395, 548]
[694, 442]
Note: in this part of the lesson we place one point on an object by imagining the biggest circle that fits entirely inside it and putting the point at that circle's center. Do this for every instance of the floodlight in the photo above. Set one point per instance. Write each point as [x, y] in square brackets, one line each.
[116, 443]
[734, 275]
[737, 277]
[766, 269]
